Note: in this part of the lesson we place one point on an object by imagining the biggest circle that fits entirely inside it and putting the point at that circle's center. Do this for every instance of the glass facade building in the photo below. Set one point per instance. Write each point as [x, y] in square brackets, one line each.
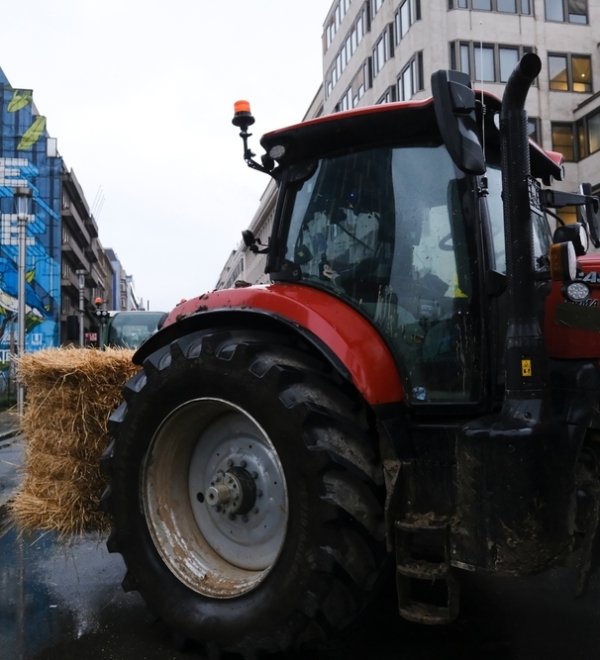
[28, 158]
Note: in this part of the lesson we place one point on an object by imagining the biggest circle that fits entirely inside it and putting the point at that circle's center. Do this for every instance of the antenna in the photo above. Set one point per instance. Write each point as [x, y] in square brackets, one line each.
[481, 82]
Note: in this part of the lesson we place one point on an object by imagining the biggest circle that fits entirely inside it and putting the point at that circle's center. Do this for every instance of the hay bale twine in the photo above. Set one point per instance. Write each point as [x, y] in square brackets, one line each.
[70, 393]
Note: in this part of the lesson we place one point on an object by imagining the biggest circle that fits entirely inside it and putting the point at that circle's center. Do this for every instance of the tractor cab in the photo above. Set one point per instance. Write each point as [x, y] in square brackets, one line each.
[398, 211]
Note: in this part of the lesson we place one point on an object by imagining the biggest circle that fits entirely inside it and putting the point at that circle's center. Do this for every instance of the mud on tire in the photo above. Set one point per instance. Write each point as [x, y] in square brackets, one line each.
[244, 492]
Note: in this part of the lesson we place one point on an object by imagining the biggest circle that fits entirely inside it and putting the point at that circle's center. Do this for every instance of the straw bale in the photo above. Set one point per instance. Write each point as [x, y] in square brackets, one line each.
[70, 394]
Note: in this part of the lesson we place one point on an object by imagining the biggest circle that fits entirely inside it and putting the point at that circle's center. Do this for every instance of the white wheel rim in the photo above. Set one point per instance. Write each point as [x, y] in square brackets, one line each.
[215, 498]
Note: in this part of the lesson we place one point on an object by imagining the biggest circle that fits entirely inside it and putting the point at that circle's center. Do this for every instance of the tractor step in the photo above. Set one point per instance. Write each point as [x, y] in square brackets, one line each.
[428, 591]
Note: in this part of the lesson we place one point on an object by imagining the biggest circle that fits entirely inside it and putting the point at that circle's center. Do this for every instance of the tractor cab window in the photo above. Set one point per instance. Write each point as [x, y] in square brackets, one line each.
[384, 229]
[542, 234]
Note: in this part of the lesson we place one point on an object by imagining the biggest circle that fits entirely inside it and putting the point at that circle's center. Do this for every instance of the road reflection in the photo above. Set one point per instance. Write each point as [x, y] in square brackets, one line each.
[64, 600]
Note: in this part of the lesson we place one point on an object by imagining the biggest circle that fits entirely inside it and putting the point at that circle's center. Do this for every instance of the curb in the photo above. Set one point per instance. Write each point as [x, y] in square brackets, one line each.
[5, 435]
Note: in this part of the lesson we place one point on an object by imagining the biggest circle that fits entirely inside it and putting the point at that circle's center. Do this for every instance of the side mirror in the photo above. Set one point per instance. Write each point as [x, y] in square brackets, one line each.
[251, 242]
[592, 217]
[454, 104]
[575, 233]
[563, 262]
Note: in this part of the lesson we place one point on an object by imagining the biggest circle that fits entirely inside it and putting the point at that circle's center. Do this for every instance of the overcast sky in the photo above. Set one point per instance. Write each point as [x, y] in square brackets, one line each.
[139, 94]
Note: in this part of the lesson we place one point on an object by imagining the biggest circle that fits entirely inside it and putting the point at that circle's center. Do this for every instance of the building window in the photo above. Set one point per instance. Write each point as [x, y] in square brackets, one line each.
[567, 11]
[507, 6]
[379, 55]
[570, 73]
[359, 85]
[335, 21]
[582, 139]
[563, 140]
[375, 6]
[407, 13]
[486, 62]
[465, 59]
[593, 133]
[533, 129]
[410, 80]
[503, 6]
[383, 50]
[346, 51]
[588, 135]
[508, 60]
[346, 101]
[388, 97]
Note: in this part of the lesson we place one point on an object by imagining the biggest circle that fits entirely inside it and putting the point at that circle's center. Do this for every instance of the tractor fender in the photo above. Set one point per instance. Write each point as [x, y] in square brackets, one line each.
[343, 336]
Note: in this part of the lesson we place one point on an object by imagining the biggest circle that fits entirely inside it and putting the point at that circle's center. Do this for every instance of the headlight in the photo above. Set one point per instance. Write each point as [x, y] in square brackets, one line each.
[577, 291]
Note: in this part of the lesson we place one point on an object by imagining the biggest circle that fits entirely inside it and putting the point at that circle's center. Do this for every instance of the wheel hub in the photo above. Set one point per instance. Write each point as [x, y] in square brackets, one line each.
[232, 492]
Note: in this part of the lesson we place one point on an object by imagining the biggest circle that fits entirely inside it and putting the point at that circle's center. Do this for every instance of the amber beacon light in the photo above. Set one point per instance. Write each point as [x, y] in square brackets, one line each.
[242, 117]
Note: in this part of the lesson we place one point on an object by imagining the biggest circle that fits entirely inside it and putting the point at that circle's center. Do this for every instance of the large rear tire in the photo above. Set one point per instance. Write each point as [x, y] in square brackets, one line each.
[244, 492]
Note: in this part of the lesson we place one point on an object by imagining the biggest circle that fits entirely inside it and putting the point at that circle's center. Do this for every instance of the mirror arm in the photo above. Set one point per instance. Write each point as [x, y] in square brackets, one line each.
[243, 119]
[252, 242]
[558, 199]
[266, 167]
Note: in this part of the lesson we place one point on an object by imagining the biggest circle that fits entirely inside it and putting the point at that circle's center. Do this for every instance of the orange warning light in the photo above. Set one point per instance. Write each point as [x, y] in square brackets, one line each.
[241, 106]
[242, 117]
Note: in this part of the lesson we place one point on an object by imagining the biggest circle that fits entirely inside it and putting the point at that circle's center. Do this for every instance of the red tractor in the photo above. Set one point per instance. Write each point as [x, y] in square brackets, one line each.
[390, 398]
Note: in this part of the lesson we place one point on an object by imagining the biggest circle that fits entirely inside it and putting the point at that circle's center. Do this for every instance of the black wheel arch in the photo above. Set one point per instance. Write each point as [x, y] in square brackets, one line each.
[245, 318]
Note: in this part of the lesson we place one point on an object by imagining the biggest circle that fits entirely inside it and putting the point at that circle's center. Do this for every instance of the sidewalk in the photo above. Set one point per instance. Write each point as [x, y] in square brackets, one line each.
[9, 424]
[11, 455]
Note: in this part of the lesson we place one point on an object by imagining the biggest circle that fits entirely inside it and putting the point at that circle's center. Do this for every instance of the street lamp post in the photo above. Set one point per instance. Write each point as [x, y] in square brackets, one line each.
[22, 196]
[102, 316]
[81, 275]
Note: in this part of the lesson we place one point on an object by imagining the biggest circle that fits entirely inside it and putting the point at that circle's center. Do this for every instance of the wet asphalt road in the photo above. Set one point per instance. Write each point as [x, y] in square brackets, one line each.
[63, 600]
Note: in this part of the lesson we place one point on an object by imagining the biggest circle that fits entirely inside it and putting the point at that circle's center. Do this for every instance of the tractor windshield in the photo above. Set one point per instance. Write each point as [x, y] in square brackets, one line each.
[384, 229]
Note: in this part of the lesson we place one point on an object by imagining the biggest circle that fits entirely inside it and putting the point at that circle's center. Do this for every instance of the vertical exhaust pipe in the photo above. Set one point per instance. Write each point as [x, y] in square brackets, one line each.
[525, 355]
[515, 470]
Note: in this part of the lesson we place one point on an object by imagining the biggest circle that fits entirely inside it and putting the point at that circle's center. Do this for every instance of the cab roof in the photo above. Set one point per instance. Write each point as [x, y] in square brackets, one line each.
[389, 123]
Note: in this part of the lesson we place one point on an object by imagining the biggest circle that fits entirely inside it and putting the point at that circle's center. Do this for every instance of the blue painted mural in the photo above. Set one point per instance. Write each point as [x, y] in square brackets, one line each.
[28, 158]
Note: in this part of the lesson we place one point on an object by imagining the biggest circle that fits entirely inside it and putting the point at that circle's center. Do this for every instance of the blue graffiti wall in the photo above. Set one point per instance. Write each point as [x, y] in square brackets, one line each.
[28, 158]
